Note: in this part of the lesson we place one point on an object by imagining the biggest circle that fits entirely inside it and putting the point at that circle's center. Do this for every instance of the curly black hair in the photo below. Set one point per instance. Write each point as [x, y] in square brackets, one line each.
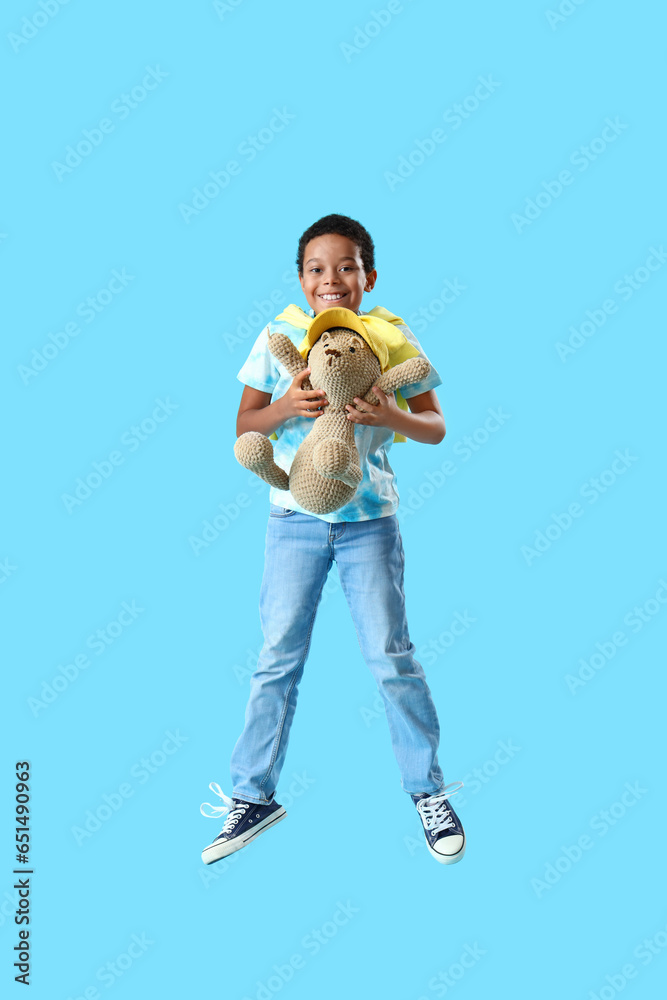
[341, 225]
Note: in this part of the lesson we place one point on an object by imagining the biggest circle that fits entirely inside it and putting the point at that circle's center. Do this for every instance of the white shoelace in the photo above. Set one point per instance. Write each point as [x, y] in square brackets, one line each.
[434, 812]
[233, 813]
[217, 811]
[234, 816]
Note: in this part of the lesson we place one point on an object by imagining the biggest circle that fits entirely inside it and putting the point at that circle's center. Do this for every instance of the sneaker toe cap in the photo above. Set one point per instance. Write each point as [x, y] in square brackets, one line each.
[448, 846]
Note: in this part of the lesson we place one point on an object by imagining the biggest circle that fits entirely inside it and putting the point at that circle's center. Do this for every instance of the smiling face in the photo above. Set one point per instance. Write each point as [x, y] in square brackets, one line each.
[333, 274]
[343, 365]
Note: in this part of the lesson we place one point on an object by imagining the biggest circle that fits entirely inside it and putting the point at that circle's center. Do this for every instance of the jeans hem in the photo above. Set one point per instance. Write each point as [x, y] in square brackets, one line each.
[255, 802]
[424, 791]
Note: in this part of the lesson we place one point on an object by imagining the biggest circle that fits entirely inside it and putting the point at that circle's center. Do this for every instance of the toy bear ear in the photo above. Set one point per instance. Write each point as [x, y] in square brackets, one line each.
[324, 337]
[356, 342]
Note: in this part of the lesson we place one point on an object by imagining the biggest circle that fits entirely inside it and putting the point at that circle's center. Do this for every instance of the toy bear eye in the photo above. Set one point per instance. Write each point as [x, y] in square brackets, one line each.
[352, 349]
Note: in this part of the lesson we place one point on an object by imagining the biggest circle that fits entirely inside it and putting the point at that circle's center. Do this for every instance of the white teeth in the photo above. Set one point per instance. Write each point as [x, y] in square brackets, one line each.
[329, 298]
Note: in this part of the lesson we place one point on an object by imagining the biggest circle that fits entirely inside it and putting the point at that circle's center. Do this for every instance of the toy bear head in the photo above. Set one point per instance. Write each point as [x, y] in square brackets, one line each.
[342, 364]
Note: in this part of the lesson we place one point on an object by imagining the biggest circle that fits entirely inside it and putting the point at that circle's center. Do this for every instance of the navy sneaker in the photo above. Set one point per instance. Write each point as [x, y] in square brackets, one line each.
[443, 830]
[244, 822]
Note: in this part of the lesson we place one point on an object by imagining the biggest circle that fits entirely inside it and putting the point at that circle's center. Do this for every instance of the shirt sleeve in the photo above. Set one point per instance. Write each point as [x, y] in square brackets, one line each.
[260, 369]
[432, 379]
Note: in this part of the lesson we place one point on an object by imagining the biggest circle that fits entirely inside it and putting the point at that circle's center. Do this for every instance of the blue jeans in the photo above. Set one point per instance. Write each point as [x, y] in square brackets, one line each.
[300, 550]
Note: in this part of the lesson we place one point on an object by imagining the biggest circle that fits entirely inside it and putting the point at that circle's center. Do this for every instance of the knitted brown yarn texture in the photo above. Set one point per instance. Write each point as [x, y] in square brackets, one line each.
[325, 472]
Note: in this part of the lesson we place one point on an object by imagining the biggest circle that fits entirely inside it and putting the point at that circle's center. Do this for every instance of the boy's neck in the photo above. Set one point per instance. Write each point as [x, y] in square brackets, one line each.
[357, 312]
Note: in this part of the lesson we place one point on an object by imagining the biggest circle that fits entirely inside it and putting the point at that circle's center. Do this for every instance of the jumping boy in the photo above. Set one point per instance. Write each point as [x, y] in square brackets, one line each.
[336, 266]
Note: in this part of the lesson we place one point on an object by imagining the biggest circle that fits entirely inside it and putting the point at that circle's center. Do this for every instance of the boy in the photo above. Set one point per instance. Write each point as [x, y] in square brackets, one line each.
[336, 266]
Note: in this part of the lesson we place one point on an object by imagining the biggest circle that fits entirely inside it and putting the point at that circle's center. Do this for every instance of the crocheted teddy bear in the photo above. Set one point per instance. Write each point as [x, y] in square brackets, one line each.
[325, 471]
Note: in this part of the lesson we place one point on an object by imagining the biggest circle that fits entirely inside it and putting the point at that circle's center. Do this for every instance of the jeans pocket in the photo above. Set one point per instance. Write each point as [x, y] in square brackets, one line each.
[276, 511]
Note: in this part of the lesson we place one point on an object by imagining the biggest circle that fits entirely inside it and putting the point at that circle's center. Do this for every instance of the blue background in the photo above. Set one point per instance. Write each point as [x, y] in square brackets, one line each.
[360, 101]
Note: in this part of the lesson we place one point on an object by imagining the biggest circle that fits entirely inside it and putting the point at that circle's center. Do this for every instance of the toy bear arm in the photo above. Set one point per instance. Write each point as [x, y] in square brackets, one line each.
[407, 373]
[284, 350]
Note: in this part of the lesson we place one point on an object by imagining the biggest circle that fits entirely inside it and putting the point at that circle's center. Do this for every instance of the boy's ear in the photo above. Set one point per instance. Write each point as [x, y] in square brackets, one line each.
[371, 278]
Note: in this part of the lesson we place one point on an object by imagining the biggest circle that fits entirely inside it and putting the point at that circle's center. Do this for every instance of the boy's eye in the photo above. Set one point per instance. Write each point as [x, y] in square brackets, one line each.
[345, 267]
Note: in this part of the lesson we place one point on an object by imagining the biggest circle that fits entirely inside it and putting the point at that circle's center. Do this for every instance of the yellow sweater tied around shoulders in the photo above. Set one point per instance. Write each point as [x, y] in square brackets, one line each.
[389, 345]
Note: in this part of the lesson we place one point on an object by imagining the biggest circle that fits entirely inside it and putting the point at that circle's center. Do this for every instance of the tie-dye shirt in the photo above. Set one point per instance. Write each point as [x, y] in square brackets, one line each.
[376, 495]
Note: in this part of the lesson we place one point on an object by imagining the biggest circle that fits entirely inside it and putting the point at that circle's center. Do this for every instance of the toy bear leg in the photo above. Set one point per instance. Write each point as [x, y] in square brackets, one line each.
[255, 452]
[333, 459]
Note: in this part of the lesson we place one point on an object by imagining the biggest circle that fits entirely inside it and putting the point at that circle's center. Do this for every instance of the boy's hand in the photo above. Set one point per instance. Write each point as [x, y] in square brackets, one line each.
[380, 414]
[298, 402]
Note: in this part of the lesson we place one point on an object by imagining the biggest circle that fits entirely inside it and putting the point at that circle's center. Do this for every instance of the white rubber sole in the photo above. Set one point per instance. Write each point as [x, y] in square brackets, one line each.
[447, 859]
[221, 849]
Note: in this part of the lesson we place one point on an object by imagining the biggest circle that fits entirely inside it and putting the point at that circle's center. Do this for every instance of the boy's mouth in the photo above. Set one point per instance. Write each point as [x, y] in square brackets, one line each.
[332, 296]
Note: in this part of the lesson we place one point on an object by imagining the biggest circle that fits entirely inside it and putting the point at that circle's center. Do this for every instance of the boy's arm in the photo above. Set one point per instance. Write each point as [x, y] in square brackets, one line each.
[258, 413]
[260, 375]
[426, 418]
